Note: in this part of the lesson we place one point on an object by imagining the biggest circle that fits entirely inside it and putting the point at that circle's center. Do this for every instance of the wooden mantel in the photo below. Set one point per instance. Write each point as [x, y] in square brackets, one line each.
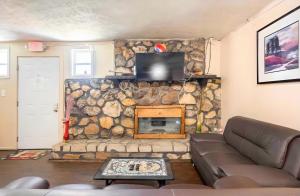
[160, 111]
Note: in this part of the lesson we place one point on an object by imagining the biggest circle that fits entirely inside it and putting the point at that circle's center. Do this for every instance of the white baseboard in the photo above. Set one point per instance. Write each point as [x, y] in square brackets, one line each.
[7, 148]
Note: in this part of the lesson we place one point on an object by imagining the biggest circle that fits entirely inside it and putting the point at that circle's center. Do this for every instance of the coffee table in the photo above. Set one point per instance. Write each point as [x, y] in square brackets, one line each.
[156, 169]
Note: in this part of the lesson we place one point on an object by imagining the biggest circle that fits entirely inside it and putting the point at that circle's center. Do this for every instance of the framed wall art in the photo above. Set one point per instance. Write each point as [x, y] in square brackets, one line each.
[278, 50]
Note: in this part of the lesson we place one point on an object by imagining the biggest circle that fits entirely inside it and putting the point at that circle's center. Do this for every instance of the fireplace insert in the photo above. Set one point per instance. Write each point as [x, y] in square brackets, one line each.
[159, 121]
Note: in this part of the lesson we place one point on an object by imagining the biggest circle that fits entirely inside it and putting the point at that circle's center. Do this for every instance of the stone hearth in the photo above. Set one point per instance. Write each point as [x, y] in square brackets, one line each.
[103, 148]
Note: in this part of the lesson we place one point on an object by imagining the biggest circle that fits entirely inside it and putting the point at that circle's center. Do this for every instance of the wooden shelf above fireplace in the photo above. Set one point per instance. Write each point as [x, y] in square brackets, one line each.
[201, 79]
[161, 111]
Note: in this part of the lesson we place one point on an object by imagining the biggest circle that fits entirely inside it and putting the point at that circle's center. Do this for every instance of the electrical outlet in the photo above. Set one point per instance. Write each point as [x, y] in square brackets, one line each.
[2, 92]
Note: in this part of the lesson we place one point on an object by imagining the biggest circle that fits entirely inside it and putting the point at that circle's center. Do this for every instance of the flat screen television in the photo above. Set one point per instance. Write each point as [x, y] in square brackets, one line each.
[167, 66]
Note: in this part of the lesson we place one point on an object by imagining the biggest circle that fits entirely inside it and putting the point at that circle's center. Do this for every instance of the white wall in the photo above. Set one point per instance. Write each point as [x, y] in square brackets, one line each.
[275, 103]
[8, 104]
[215, 61]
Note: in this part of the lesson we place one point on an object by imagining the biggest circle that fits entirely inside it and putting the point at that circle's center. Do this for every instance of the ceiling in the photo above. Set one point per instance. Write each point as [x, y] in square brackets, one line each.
[103, 20]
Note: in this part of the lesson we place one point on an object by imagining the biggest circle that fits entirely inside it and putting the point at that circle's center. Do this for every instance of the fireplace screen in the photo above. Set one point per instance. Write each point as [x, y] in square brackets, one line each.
[159, 122]
[159, 125]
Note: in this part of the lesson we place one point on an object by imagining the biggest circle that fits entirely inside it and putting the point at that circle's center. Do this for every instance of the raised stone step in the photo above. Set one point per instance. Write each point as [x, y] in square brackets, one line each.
[104, 148]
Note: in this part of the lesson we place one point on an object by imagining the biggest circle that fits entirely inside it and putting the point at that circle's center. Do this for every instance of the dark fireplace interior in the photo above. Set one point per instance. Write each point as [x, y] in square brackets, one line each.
[159, 125]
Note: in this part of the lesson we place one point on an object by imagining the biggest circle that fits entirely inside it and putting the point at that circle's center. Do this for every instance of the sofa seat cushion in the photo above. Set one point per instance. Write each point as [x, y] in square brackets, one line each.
[207, 137]
[215, 160]
[204, 148]
[234, 182]
[264, 176]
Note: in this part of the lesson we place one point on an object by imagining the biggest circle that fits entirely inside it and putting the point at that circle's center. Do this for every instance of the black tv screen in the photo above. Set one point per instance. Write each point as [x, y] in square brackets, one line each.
[167, 66]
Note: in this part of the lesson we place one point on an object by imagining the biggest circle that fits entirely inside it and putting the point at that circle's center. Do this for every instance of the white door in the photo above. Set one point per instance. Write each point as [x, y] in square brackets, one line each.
[38, 102]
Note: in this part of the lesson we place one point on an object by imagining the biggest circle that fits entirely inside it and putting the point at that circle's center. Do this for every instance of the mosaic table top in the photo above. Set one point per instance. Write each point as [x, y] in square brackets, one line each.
[138, 168]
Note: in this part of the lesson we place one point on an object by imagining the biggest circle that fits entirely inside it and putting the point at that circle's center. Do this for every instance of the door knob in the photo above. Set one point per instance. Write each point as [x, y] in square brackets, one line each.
[55, 109]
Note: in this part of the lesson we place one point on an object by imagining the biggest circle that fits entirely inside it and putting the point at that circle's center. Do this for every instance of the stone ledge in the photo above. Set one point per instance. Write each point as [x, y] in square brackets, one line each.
[123, 145]
[105, 155]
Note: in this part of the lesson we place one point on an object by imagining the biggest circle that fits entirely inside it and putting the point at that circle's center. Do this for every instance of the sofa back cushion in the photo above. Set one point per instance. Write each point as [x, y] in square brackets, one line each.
[292, 163]
[264, 143]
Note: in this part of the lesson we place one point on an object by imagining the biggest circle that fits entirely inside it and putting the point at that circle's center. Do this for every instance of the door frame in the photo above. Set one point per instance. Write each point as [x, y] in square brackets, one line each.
[60, 76]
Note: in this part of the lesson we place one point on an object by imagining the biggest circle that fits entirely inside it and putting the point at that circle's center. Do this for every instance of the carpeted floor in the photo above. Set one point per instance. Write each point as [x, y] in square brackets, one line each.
[58, 172]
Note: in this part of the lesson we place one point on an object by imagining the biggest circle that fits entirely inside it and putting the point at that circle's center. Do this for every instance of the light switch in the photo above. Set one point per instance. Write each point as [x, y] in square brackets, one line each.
[3, 92]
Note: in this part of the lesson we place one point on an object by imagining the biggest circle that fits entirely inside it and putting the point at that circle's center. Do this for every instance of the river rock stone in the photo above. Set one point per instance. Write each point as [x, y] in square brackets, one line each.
[74, 86]
[91, 129]
[90, 101]
[112, 109]
[217, 93]
[211, 114]
[95, 93]
[106, 122]
[73, 121]
[190, 113]
[209, 94]
[170, 98]
[206, 105]
[84, 121]
[188, 99]
[81, 103]
[139, 49]
[121, 96]
[128, 54]
[189, 87]
[85, 88]
[130, 132]
[123, 70]
[130, 62]
[120, 60]
[92, 110]
[117, 130]
[127, 122]
[212, 86]
[76, 94]
[104, 87]
[190, 121]
[129, 112]
[176, 87]
[128, 102]
[100, 102]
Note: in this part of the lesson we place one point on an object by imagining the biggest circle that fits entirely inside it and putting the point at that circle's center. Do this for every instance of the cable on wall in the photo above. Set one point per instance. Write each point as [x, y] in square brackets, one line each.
[208, 44]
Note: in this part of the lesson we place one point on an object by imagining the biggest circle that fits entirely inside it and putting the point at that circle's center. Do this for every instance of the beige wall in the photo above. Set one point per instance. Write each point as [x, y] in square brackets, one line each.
[8, 107]
[275, 103]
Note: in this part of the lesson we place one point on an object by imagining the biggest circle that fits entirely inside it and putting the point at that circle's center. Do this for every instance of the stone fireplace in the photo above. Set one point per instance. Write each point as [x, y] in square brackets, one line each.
[103, 120]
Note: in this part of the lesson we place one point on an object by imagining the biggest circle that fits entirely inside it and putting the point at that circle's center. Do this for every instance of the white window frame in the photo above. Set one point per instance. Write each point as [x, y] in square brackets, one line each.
[73, 66]
[8, 63]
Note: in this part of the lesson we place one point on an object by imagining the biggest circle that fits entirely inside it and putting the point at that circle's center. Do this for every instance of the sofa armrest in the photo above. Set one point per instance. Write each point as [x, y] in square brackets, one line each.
[30, 182]
[207, 137]
[229, 182]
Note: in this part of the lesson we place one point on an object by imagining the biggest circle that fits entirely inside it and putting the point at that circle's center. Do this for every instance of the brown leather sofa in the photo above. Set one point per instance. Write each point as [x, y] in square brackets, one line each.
[264, 152]
[27, 186]
[156, 192]
[233, 185]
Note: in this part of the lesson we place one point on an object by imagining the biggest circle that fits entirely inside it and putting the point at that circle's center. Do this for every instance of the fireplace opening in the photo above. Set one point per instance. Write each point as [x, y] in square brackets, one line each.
[159, 122]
